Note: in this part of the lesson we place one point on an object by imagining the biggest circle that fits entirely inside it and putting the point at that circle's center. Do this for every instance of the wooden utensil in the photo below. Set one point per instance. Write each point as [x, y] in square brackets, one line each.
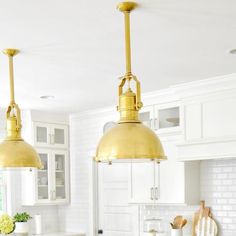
[172, 225]
[206, 227]
[183, 223]
[202, 212]
[177, 222]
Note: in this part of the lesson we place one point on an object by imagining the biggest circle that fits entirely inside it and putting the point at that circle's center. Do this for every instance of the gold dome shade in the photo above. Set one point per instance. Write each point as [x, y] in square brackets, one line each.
[18, 153]
[127, 141]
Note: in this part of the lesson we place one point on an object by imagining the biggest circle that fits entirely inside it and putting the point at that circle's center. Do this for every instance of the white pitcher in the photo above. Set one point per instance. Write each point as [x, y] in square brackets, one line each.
[176, 232]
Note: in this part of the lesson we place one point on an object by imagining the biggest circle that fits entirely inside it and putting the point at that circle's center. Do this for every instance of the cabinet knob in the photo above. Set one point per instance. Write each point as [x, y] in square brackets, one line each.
[100, 231]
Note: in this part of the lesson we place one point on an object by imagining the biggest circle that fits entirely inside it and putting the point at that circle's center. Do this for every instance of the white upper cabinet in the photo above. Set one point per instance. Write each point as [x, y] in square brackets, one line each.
[163, 118]
[210, 119]
[218, 118]
[50, 135]
[210, 128]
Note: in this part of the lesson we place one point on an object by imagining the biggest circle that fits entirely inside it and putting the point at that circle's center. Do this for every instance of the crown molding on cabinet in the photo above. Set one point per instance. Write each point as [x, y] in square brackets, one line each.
[219, 84]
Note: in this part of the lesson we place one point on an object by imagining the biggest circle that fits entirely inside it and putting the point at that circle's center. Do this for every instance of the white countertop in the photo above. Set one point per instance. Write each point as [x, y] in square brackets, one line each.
[61, 234]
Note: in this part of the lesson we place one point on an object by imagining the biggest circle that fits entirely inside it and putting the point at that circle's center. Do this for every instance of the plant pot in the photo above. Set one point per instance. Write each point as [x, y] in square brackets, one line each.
[21, 227]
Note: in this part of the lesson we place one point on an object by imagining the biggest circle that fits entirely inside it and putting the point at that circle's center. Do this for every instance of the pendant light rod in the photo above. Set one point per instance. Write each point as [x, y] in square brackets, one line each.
[11, 53]
[11, 76]
[126, 8]
[127, 43]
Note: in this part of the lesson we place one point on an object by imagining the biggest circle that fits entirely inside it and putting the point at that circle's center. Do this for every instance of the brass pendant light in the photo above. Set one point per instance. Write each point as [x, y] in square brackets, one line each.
[14, 151]
[129, 139]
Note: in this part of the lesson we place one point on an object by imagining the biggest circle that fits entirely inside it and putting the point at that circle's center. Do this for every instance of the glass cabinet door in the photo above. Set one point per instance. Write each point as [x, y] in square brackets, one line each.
[60, 175]
[146, 115]
[43, 178]
[168, 117]
[59, 135]
[41, 134]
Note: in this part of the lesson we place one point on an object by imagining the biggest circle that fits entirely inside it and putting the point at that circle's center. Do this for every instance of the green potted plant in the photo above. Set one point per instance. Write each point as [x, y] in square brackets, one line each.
[7, 225]
[21, 222]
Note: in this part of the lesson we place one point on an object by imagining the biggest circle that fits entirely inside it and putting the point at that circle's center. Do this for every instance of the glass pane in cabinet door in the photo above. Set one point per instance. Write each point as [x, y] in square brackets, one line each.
[145, 118]
[41, 134]
[168, 117]
[43, 178]
[59, 136]
[60, 176]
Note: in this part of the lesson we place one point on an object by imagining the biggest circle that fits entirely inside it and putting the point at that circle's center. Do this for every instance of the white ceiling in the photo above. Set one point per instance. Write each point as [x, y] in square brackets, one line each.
[73, 49]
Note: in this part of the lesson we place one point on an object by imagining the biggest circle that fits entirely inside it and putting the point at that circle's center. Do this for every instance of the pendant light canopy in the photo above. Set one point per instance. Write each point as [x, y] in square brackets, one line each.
[129, 139]
[14, 151]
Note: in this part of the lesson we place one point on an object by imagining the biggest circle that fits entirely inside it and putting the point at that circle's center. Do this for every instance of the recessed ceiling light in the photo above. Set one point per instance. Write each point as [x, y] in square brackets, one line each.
[233, 51]
[47, 97]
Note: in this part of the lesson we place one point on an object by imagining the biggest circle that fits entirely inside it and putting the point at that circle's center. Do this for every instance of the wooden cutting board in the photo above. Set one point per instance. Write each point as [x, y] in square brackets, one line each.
[202, 212]
[206, 227]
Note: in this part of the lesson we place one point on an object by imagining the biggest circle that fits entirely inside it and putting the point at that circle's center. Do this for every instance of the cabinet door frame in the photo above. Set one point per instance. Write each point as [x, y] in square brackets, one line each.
[52, 132]
[52, 178]
[177, 129]
[34, 133]
[149, 109]
[44, 201]
[150, 188]
[50, 135]
[66, 170]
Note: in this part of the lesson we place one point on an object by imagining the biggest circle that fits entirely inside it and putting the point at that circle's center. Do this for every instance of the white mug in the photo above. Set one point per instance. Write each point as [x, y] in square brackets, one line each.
[176, 232]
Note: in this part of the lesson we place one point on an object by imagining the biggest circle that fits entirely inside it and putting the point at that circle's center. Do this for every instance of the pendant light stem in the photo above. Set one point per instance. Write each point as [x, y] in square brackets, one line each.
[11, 76]
[127, 42]
[11, 52]
[13, 112]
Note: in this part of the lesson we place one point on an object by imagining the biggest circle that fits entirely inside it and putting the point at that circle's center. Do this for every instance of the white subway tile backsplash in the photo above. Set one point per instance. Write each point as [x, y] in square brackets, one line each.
[226, 195]
[224, 211]
[218, 189]
[227, 169]
[222, 176]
